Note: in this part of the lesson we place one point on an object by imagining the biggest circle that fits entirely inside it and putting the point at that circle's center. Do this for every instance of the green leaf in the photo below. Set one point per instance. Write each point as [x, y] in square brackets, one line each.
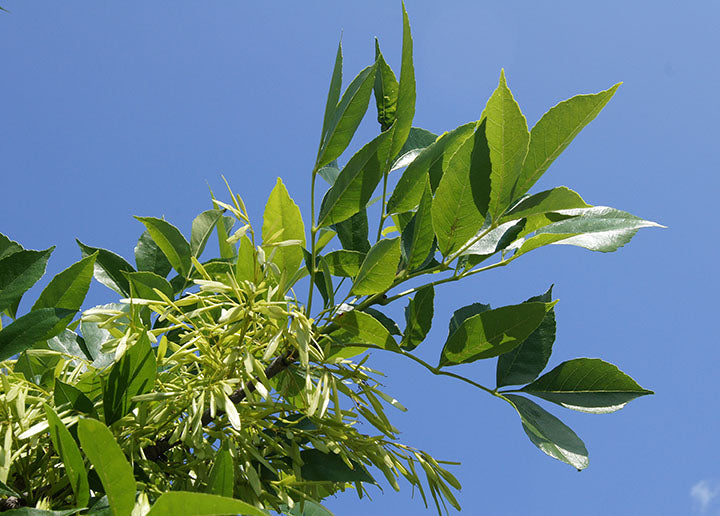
[65, 393]
[494, 241]
[329, 467]
[142, 284]
[95, 337]
[149, 257]
[25, 331]
[524, 363]
[560, 198]
[549, 434]
[69, 452]
[379, 268]
[416, 142]
[171, 242]
[508, 138]
[598, 229]
[71, 344]
[282, 222]
[330, 172]
[353, 232]
[18, 272]
[132, 375]
[109, 268]
[406, 91]
[554, 132]
[356, 329]
[587, 385]
[223, 229]
[463, 313]
[418, 236]
[418, 318]
[461, 199]
[344, 263]
[246, 267]
[347, 116]
[222, 475]
[8, 247]
[492, 332]
[389, 324]
[202, 228]
[186, 503]
[355, 184]
[29, 511]
[4, 489]
[385, 90]
[333, 93]
[110, 464]
[306, 508]
[67, 290]
[431, 161]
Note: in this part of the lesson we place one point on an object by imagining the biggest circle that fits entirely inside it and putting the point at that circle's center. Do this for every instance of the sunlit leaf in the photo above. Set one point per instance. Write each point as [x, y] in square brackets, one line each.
[492, 332]
[418, 235]
[379, 268]
[202, 228]
[385, 90]
[588, 385]
[554, 132]
[508, 138]
[110, 464]
[25, 331]
[222, 476]
[461, 199]
[418, 318]
[149, 257]
[173, 503]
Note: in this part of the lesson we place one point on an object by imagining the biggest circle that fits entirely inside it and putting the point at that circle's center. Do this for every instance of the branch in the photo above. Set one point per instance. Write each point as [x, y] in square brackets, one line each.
[156, 452]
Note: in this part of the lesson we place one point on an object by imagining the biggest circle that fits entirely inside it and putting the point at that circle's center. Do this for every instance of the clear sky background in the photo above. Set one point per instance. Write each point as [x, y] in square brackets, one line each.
[113, 109]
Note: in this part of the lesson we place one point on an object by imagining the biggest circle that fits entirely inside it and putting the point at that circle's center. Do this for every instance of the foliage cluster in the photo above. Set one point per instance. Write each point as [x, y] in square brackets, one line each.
[213, 387]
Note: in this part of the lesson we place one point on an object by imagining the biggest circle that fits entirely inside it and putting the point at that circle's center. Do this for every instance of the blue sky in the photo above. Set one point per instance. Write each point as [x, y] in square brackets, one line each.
[114, 109]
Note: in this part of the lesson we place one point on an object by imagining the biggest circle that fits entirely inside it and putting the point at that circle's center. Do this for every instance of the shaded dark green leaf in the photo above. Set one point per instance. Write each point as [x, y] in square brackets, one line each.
[418, 318]
[353, 232]
[109, 268]
[70, 343]
[18, 272]
[8, 247]
[202, 227]
[68, 396]
[329, 467]
[68, 450]
[418, 139]
[149, 257]
[143, 283]
[132, 375]
[333, 95]
[524, 363]
[550, 434]
[418, 236]
[560, 198]
[588, 385]
[25, 331]
[171, 241]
